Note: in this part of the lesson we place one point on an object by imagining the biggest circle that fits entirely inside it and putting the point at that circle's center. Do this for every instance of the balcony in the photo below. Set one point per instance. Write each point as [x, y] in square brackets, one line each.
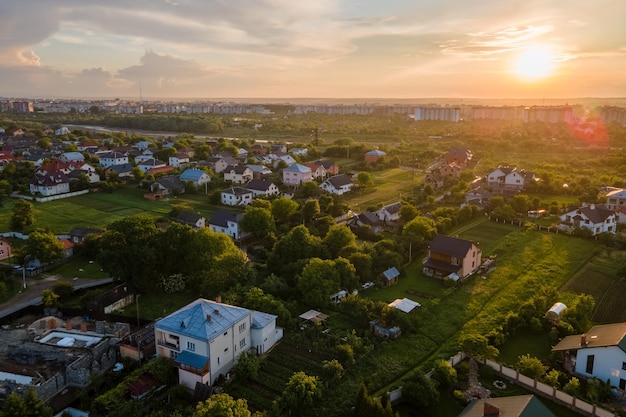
[171, 346]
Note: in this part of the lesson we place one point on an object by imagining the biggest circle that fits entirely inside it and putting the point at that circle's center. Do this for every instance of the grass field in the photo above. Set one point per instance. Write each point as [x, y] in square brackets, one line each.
[598, 277]
[389, 186]
[99, 209]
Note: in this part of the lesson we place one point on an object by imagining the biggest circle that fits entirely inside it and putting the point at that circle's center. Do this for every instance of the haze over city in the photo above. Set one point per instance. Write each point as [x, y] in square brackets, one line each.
[323, 49]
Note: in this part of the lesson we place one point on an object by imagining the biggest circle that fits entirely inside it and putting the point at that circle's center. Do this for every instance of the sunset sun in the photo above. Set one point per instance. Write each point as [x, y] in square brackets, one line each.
[534, 63]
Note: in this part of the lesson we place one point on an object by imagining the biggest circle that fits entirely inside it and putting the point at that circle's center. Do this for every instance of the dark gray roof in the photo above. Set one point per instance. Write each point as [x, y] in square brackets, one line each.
[393, 208]
[188, 217]
[339, 181]
[237, 169]
[171, 182]
[121, 168]
[450, 245]
[259, 185]
[597, 214]
[223, 216]
[369, 218]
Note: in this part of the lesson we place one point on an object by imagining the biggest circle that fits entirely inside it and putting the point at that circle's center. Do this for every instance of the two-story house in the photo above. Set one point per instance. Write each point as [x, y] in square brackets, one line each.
[616, 199]
[390, 212]
[149, 164]
[178, 159]
[113, 158]
[509, 178]
[196, 176]
[337, 184]
[597, 219]
[227, 221]
[297, 174]
[238, 174]
[262, 187]
[600, 353]
[451, 257]
[236, 196]
[205, 339]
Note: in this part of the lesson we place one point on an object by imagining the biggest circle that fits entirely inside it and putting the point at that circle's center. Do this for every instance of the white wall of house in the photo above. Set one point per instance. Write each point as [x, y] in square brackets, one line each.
[608, 363]
[263, 339]
[232, 230]
[226, 348]
[472, 261]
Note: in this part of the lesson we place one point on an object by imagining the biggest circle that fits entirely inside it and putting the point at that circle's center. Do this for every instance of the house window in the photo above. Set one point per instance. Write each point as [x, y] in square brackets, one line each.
[622, 383]
[589, 367]
[225, 333]
[226, 350]
[191, 346]
[624, 366]
[454, 260]
[242, 343]
[242, 327]
[218, 360]
[173, 354]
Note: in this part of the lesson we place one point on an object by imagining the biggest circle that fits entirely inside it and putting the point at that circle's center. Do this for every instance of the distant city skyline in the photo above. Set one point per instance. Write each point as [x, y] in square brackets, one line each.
[326, 49]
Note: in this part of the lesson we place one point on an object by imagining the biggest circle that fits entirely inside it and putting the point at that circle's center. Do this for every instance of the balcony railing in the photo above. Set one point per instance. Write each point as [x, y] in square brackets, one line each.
[169, 345]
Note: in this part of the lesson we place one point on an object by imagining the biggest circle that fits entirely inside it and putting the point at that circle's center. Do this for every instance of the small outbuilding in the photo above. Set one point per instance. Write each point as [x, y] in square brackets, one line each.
[390, 276]
[554, 314]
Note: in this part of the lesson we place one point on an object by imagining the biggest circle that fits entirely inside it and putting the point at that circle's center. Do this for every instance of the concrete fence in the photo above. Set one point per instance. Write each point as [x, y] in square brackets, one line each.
[50, 198]
[550, 392]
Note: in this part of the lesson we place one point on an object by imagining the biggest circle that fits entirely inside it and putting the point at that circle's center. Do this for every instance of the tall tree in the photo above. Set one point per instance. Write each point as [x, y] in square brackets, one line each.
[301, 392]
[23, 215]
[222, 405]
[282, 209]
[318, 281]
[258, 221]
[44, 245]
[337, 238]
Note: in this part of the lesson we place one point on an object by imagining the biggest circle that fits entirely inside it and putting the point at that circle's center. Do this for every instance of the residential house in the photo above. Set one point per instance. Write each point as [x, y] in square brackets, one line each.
[278, 148]
[508, 178]
[287, 159]
[600, 353]
[122, 171]
[262, 188]
[72, 157]
[390, 276]
[451, 170]
[477, 197]
[205, 339]
[375, 155]
[91, 174]
[620, 215]
[79, 234]
[390, 213]
[616, 199]
[299, 151]
[5, 249]
[597, 219]
[318, 170]
[37, 159]
[259, 171]
[216, 164]
[168, 185]
[460, 156]
[179, 159]
[227, 221]
[196, 176]
[452, 257]
[113, 158]
[367, 219]
[6, 158]
[434, 180]
[297, 174]
[330, 166]
[68, 247]
[149, 164]
[190, 152]
[48, 184]
[191, 218]
[513, 406]
[53, 166]
[143, 145]
[236, 196]
[237, 174]
[337, 184]
[142, 158]
[259, 149]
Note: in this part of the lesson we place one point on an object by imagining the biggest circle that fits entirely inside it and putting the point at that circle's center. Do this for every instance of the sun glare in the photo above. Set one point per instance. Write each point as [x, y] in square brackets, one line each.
[534, 63]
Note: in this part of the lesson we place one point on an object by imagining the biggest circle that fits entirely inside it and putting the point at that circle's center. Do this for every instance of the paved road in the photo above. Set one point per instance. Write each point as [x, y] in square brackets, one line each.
[32, 295]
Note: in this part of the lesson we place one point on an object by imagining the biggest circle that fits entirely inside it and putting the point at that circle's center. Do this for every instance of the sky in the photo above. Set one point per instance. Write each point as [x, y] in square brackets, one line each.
[319, 49]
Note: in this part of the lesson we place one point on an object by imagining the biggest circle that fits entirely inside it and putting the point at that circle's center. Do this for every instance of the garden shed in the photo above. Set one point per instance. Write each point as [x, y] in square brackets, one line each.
[555, 312]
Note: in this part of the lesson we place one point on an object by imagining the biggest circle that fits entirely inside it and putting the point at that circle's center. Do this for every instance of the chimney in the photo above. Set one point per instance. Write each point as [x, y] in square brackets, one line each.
[216, 312]
[68, 325]
[583, 339]
[208, 317]
[491, 410]
[83, 326]
[218, 299]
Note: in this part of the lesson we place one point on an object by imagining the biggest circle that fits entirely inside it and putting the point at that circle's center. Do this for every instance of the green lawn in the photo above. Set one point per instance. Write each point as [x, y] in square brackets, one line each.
[97, 210]
[79, 267]
[389, 186]
[525, 342]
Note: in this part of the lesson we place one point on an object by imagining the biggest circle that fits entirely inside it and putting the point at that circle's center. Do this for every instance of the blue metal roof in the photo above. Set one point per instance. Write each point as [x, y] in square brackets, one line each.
[391, 273]
[298, 168]
[202, 319]
[261, 320]
[192, 174]
[192, 359]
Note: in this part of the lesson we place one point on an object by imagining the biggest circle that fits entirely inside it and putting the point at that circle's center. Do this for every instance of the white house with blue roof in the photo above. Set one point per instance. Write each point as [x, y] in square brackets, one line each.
[206, 337]
[196, 176]
[297, 174]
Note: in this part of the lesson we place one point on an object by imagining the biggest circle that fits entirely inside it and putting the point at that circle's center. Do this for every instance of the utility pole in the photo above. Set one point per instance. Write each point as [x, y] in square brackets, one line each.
[137, 301]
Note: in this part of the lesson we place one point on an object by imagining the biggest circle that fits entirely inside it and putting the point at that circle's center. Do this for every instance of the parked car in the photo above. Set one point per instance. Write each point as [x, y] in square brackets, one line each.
[367, 285]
